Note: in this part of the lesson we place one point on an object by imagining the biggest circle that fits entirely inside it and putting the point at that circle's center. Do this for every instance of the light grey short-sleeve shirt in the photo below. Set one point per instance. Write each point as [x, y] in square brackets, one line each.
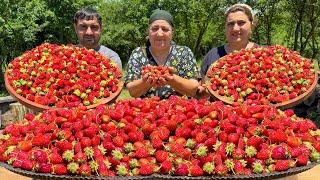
[111, 55]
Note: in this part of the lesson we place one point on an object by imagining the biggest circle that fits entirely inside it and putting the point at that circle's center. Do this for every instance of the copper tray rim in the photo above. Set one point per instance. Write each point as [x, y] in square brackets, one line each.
[283, 105]
[273, 175]
[40, 107]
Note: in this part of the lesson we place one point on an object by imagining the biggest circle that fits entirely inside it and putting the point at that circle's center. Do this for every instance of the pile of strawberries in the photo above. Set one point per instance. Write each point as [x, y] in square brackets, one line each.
[177, 136]
[156, 74]
[271, 74]
[63, 76]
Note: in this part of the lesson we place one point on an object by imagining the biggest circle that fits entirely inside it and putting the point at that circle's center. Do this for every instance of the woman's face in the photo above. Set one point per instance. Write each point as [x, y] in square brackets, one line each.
[238, 27]
[160, 34]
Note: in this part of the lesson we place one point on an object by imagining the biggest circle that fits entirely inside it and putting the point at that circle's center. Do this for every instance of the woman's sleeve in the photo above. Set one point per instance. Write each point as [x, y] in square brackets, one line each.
[133, 70]
[190, 68]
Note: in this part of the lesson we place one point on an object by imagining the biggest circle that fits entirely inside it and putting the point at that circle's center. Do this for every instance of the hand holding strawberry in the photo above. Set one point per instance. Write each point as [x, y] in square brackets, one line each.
[157, 76]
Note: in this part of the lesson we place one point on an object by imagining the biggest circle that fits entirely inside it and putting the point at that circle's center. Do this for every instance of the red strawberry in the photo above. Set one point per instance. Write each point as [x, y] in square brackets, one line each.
[233, 138]
[200, 137]
[157, 143]
[55, 158]
[238, 168]
[221, 170]
[27, 165]
[25, 145]
[166, 167]
[283, 165]
[161, 155]
[238, 153]
[164, 133]
[45, 168]
[40, 156]
[279, 152]
[141, 153]
[80, 157]
[60, 169]
[182, 169]
[255, 141]
[293, 141]
[64, 145]
[263, 154]
[84, 169]
[277, 136]
[146, 170]
[196, 170]
[118, 141]
[302, 160]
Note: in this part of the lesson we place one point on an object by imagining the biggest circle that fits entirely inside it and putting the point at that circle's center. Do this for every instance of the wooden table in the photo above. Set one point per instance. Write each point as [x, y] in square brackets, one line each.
[312, 174]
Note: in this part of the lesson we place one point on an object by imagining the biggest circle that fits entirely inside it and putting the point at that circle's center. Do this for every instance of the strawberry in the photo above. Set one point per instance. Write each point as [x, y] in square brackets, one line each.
[200, 137]
[157, 143]
[302, 160]
[263, 154]
[233, 138]
[277, 136]
[161, 155]
[122, 170]
[279, 152]
[40, 156]
[64, 145]
[239, 167]
[163, 133]
[182, 169]
[255, 141]
[118, 141]
[146, 170]
[25, 145]
[80, 157]
[238, 153]
[45, 168]
[196, 170]
[283, 165]
[221, 170]
[27, 165]
[55, 158]
[141, 153]
[59, 169]
[293, 141]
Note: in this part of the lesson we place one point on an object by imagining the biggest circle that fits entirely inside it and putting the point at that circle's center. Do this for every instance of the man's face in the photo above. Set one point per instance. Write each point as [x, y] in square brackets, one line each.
[88, 32]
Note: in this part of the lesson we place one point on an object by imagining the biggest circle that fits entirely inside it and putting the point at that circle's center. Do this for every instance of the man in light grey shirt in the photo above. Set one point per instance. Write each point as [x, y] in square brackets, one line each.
[88, 26]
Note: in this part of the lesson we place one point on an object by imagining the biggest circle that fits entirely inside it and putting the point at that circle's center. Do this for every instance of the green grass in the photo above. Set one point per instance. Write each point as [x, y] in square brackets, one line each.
[124, 94]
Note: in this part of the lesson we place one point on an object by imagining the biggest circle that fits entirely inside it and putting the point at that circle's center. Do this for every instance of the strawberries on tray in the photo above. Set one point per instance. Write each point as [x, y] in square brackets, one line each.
[63, 76]
[177, 136]
[272, 74]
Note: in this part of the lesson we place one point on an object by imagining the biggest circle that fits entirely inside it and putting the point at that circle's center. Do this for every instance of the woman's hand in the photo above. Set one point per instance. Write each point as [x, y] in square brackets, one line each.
[203, 91]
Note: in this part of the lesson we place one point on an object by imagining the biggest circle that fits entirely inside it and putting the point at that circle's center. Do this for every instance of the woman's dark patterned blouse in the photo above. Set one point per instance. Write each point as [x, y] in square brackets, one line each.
[180, 57]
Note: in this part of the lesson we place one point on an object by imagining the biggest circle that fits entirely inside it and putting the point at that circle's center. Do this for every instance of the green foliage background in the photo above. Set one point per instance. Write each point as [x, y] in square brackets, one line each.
[199, 24]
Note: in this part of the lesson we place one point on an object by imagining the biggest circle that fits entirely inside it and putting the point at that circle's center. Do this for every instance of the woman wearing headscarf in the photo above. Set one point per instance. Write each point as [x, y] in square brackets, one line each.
[160, 50]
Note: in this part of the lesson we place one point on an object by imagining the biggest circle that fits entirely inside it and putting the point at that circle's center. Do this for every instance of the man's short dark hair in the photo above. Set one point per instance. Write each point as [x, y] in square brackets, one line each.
[87, 13]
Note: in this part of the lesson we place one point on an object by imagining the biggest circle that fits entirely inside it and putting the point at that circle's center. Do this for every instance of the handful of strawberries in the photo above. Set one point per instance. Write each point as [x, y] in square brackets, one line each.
[156, 74]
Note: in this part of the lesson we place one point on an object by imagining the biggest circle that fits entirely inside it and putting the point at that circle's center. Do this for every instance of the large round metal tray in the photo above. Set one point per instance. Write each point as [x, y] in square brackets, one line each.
[273, 175]
[283, 105]
[40, 107]
[53, 176]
